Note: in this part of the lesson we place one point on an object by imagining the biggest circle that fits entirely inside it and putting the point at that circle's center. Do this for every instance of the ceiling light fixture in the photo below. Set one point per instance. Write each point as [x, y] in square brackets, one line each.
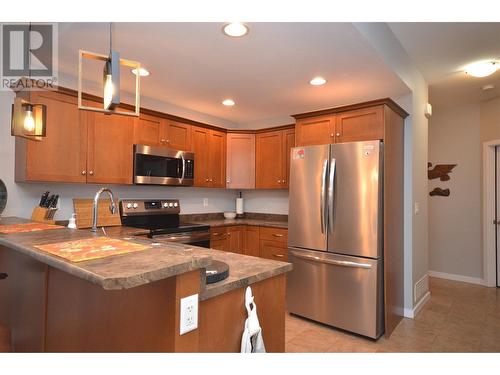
[317, 81]
[235, 29]
[482, 68]
[28, 119]
[142, 72]
[228, 102]
[111, 80]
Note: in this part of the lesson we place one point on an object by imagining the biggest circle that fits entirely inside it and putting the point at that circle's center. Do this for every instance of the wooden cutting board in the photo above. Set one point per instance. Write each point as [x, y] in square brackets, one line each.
[26, 227]
[83, 209]
[91, 248]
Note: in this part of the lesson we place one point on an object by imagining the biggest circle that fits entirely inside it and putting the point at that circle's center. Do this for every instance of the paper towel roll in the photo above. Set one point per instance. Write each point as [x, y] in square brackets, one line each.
[239, 206]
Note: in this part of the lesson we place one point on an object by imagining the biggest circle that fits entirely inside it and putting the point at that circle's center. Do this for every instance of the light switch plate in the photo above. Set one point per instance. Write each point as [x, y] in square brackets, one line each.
[189, 314]
[205, 202]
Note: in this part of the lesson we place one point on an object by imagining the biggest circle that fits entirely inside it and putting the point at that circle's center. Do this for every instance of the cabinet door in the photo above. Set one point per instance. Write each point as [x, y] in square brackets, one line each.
[251, 242]
[365, 124]
[288, 143]
[240, 171]
[110, 148]
[269, 160]
[62, 155]
[317, 130]
[273, 250]
[176, 135]
[236, 236]
[201, 152]
[222, 245]
[147, 130]
[217, 159]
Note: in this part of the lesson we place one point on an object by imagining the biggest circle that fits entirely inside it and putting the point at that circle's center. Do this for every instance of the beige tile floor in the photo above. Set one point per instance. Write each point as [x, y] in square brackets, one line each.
[459, 317]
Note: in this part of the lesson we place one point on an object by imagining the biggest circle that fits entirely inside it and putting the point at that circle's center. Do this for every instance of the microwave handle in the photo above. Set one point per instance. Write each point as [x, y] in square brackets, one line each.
[183, 166]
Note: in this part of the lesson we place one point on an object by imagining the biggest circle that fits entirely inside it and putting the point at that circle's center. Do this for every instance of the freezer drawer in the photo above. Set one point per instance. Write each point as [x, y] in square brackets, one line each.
[341, 291]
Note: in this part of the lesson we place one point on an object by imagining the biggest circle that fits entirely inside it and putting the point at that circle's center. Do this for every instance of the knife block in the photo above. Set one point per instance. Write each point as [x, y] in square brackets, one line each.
[39, 215]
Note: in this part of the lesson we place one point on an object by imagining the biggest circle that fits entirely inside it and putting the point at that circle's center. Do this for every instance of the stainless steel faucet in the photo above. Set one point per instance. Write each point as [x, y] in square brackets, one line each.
[112, 206]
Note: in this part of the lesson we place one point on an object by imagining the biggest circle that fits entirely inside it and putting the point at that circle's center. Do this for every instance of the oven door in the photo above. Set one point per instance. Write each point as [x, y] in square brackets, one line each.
[195, 238]
[162, 166]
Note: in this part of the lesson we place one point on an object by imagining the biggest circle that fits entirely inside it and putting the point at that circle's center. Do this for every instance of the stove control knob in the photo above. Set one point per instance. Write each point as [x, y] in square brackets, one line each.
[129, 205]
[135, 205]
[176, 204]
[165, 205]
[170, 205]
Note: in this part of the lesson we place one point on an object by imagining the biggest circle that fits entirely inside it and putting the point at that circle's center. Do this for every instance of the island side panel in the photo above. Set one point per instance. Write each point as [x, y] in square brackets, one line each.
[222, 318]
[84, 317]
[24, 296]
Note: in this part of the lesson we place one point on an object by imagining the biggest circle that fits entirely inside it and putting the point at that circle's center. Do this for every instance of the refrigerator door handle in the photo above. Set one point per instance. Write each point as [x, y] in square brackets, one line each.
[343, 263]
[331, 193]
[322, 210]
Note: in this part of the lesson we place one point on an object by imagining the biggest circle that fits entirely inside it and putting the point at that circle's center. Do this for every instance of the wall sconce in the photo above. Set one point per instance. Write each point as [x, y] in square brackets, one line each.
[28, 119]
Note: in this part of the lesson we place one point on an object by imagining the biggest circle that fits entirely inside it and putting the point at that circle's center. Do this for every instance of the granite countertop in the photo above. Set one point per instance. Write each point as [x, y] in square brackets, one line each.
[163, 260]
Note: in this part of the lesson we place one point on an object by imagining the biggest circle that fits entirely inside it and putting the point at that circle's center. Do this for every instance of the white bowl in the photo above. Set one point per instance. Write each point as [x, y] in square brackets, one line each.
[229, 215]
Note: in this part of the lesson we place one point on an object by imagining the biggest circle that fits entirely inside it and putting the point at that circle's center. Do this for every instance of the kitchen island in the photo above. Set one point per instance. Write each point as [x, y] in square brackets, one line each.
[131, 302]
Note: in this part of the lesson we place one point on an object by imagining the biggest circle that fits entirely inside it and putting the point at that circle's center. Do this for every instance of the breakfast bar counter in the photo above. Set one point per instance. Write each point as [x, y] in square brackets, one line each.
[131, 301]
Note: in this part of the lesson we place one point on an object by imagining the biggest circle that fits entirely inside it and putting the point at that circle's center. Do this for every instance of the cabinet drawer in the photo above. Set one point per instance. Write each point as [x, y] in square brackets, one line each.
[219, 233]
[274, 234]
[273, 250]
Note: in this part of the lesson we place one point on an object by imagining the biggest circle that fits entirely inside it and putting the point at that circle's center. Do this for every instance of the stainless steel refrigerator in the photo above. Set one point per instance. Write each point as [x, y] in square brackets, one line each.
[335, 236]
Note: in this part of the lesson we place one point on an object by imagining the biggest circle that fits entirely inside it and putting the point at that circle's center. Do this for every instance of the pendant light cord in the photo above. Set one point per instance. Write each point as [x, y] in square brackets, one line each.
[110, 38]
[29, 59]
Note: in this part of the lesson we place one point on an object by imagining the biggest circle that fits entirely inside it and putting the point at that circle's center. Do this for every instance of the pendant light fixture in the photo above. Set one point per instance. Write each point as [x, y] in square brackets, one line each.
[111, 80]
[28, 119]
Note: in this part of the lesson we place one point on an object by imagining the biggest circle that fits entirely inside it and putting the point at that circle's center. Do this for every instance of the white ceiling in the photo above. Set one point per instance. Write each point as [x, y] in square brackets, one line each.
[195, 66]
[441, 50]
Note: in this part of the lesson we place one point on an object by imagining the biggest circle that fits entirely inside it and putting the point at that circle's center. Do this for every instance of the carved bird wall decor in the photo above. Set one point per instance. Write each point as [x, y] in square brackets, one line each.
[440, 192]
[440, 171]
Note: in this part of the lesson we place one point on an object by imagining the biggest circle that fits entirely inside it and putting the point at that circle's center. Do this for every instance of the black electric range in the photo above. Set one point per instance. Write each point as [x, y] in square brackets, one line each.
[160, 219]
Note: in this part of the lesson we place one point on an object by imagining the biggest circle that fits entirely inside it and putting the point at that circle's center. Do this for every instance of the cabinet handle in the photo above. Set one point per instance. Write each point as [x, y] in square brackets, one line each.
[279, 181]
[338, 134]
[277, 235]
[207, 180]
[278, 255]
[284, 181]
[3, 275]
[168, 141]
[331, 134]
[84, 173]
[211, 180]
[91, 173]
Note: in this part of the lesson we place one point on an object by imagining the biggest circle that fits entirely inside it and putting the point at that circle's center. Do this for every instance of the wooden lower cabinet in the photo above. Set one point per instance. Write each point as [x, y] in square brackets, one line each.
[264, 242]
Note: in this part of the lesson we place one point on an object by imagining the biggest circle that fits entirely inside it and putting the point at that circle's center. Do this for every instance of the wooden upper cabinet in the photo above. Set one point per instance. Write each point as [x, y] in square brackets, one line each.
[240, 170]
[176, 135]
[217, 159]
[288, 143]
[110, 148]
[272, 160]
[61, 155]
[269, 160]
[200, 148]
[364, 124]
[317, 130]
[147, 130]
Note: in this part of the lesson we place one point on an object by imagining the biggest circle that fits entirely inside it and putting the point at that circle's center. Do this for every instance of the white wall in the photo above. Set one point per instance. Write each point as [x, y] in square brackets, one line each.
[24, 196]
[266, 201]
[416, 263]
[455, 221]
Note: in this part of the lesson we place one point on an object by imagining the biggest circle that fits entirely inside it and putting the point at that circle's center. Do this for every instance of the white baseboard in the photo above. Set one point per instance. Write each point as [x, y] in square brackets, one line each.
[412, 313]
[454, 277]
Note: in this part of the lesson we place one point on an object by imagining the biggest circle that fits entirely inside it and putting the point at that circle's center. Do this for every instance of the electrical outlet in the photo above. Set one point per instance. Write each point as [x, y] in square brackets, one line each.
[205, 202]
[189, 314]
[417, 208]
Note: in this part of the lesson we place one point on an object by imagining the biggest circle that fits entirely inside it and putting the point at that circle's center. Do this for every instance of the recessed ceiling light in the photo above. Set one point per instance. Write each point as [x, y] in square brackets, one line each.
[228, 102]
[317, 81]
[142, 72]
[482, 68]
[235, 29]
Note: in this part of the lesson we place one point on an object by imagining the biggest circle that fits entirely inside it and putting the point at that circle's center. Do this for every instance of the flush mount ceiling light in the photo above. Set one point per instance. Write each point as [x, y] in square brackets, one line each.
[143, 72]
[228, 102]
[317, 81]
[111, 80]
[235, 29]
[482, 68]
[28, 119]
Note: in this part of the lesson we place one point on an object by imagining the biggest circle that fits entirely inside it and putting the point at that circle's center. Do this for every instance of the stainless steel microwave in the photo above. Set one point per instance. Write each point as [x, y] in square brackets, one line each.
[162, 166]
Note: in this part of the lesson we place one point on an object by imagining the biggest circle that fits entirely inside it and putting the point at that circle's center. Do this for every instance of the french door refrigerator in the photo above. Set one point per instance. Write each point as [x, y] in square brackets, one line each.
[335, 236]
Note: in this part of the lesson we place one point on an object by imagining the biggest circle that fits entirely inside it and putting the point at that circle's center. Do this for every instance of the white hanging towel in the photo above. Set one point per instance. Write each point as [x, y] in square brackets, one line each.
[252, 341]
